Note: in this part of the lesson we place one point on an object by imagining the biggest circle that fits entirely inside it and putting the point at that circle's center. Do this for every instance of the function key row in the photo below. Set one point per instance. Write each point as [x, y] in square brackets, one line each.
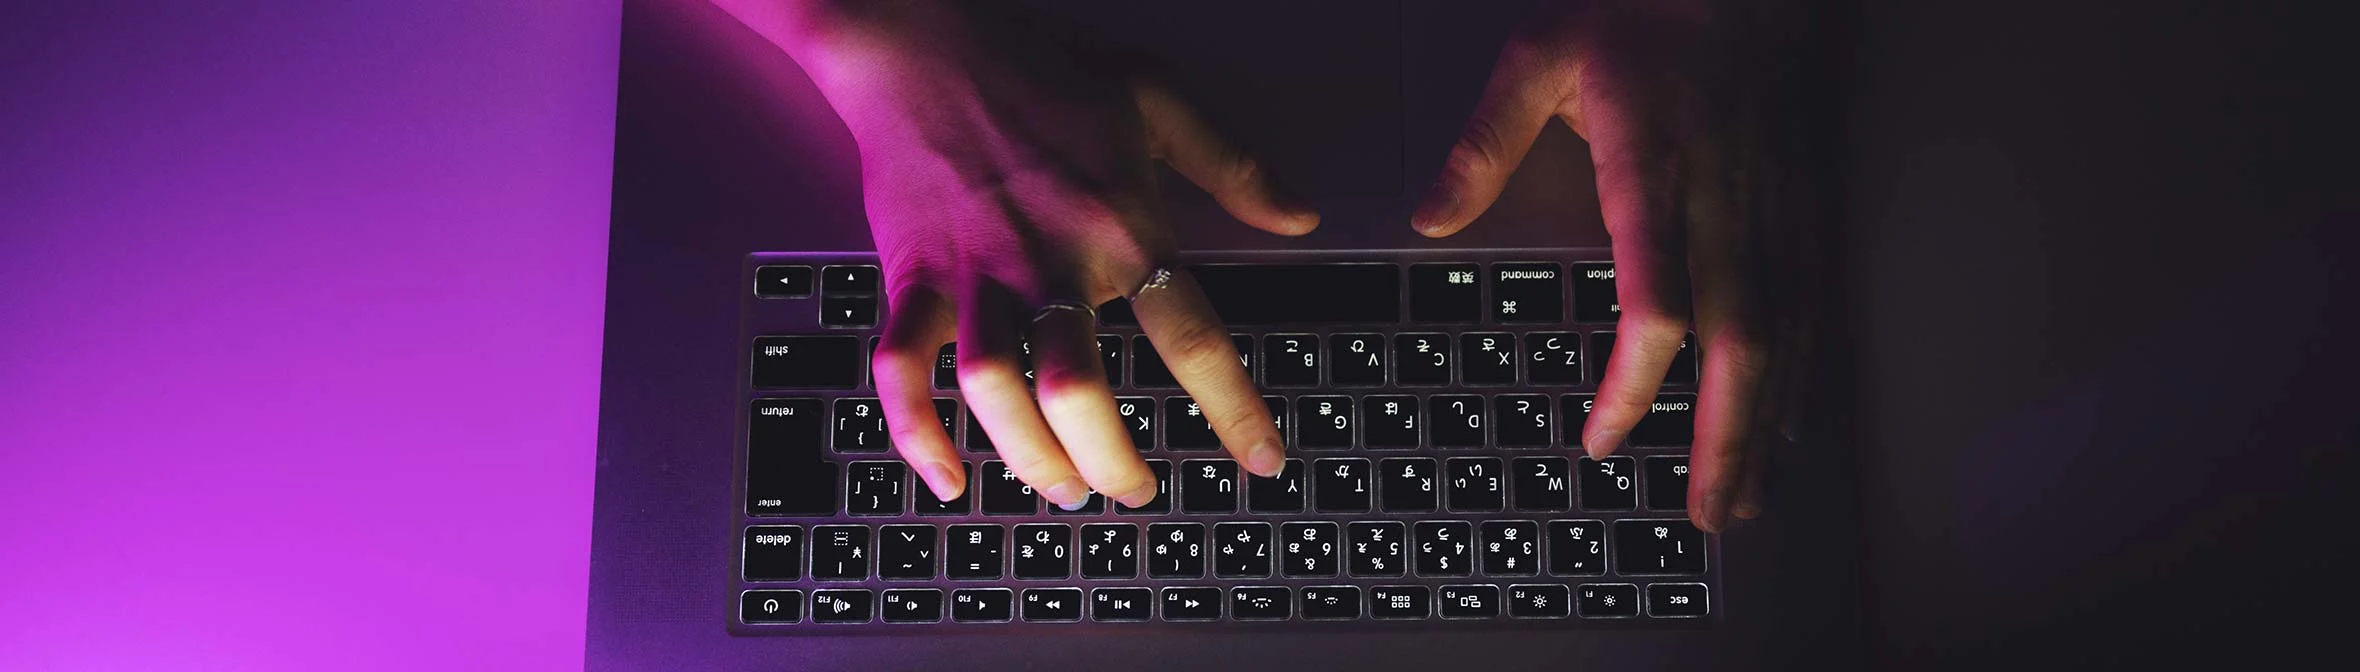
[1320, 422]
[1300, 360]
[1328, 485]
[1185, 604]
[1533, 292]
[1226, 550]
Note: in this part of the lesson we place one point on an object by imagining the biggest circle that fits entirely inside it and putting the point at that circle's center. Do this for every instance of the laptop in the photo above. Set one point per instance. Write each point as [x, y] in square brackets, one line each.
[751, 515]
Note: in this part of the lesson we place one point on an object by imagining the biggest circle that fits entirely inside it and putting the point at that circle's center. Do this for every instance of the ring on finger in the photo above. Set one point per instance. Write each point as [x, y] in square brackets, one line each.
[1053, 307]
[1160, 278]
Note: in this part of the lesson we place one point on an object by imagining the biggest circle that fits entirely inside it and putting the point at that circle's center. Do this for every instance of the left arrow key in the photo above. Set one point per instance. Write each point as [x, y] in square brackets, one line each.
[783, 282]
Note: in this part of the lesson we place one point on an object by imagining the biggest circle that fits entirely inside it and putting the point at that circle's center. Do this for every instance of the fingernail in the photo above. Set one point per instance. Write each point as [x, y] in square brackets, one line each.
[1267, 460]
[1070, 495]
[1603, 443]
[1745, 511]
[939, 479]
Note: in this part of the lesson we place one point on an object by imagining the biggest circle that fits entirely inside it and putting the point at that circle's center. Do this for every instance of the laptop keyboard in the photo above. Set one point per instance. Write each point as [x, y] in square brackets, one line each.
[1432, 403]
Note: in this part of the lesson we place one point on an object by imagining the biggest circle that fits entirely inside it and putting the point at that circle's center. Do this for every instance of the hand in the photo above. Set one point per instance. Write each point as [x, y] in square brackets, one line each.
[1006, 168]
[1654, 88]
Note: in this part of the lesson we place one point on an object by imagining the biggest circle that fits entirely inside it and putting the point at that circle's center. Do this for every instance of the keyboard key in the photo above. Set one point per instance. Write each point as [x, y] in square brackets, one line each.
[860, 426]
[1192, 604]
[978, 440]
[1052, 605]
[1138, 418]
[1333, 293]
[1330, 603]
[1311, 549]
[1457, 421]
[1378, 548]
[1477, 484]
[1390, 422]
[1606, 485]
[1421, 359]
[973, 552]
[1323, 422]
[1607, 600]
[849, 281]
[983, 605]
[1400, 603]
[1594, 298]
[1658, 547]
[1555, 359]
[841, 606]
[1549, 601]
[1409, 484]
[774, 553]
[1341, 485]
[1110, 358]
[948, 411]
[1278, 413]
[1176, 550]
[1681, 372]
[1487, 359]
[1241, 550]
[1260, 603]
[1470, 602]
[1520, 420]
[1444, 293]
[763, 607]
[1208, 486]
[1110, 551]
[776, 282]
[840, 553]
[1678, 600]
[1290, 360]
[1277, 495]
[1667, 483]
[1121, 605]
[1162, 503]
[1445, 548]
[848, 311]
[946, 367]
[924, 501]
[1245, 351]
[1043, 551]
[1356, 360]
[1186, 427]
[906, 552]
[1670, 422]
[807, 362]
[873, 489]
[1511, 548]
[786, 472]
[1574, 411]
[913, 605]
[1577, 548]
[1540, 484]
[1003, 494]
[1147, 365]
[1527, 293]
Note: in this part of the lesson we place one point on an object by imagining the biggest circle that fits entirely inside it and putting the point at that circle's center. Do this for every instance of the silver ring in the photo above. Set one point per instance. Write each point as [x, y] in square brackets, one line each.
[1066, 304]
[1161, 278]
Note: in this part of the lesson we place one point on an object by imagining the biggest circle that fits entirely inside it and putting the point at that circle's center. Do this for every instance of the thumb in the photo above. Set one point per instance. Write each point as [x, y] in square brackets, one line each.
[1182, 138]
[1520, 98]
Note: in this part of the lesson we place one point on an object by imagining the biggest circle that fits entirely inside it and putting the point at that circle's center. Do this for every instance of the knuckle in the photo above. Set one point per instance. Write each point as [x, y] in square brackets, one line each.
[1199, 348]
[1241, 422]
[991, 375]
[1066, 402]
[1479, 149]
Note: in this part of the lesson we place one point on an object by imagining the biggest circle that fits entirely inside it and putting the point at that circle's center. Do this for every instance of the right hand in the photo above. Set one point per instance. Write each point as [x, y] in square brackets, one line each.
[1004, 170]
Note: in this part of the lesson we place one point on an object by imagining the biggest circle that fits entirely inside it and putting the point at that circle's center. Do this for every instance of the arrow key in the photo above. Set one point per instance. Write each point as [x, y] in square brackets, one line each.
[1330, 603]
[1121, 605]
[772, 282]
[1052, 605]
[848, 311]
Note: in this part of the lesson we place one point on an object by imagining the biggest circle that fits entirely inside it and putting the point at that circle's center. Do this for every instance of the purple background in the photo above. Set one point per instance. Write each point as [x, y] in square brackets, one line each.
[299, 331]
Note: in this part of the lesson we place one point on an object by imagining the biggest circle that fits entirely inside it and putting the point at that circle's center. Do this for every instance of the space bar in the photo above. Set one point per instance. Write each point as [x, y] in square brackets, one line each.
[1270, 294]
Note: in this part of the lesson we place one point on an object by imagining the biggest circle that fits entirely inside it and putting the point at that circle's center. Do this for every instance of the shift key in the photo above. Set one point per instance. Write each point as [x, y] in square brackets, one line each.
[807, 362]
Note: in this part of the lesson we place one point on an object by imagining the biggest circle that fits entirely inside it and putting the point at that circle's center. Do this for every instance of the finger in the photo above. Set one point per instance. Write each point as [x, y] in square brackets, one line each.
[1080, 407]
[991, 377]
[1240, 182]
[1196, 347]
[1732, 330]
[918, 323]
[1651, 275]
[1525, 89]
